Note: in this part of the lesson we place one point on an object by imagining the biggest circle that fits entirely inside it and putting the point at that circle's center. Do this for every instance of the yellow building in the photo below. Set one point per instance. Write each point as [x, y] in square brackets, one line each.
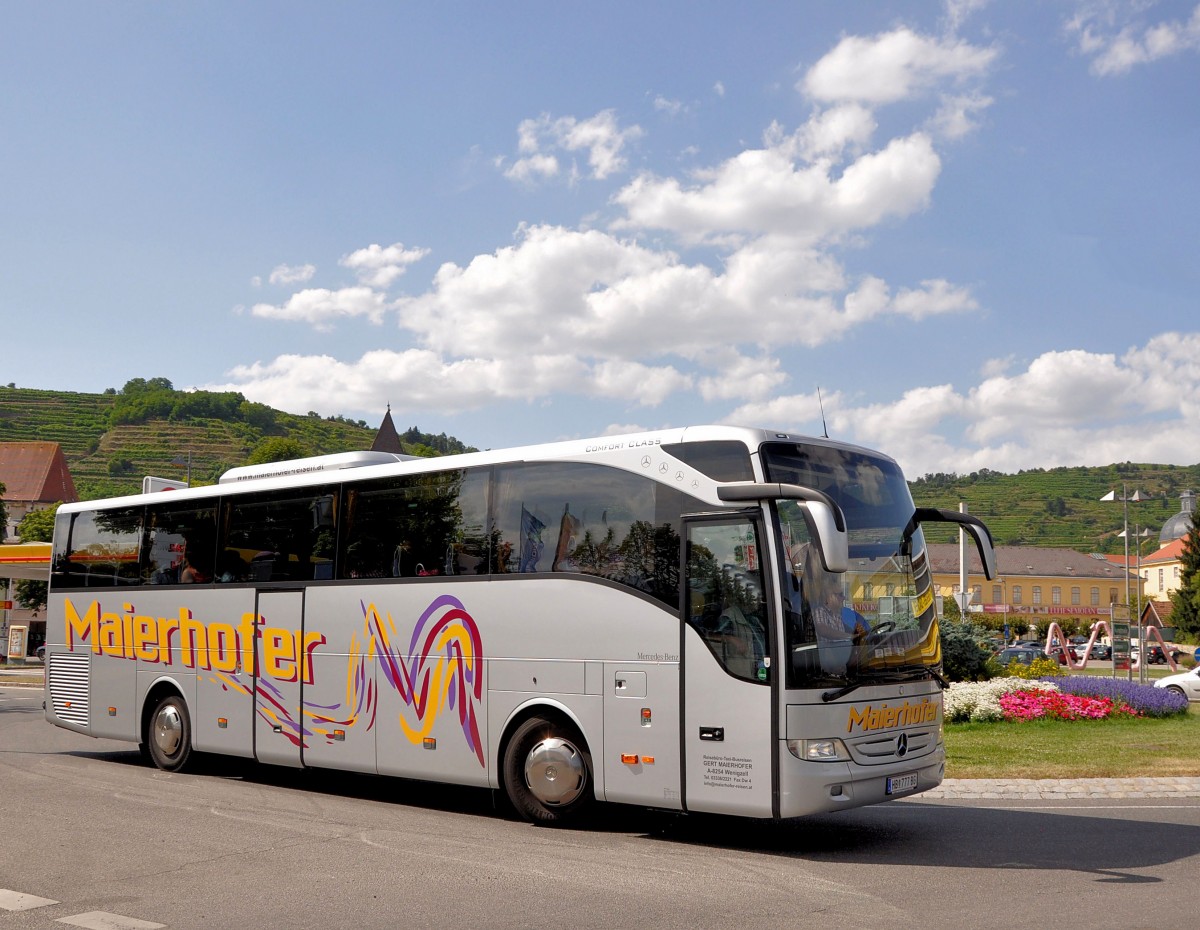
[1034, 585]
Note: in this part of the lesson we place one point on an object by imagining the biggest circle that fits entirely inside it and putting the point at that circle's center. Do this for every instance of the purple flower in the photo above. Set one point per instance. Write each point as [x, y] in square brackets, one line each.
[1146, 700]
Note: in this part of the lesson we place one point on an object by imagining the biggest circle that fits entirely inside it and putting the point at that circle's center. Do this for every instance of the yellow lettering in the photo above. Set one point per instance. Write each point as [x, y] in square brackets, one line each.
[166, 627]
[193, 641]
[311, 642]
[81, 628]
[111, 635]
[222, 647]
[145, 639]
[884, 717]
[279, 654]
[246, 635]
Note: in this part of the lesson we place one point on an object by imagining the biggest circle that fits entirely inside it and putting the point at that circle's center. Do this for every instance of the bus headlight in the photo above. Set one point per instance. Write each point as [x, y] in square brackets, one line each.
[819, 750]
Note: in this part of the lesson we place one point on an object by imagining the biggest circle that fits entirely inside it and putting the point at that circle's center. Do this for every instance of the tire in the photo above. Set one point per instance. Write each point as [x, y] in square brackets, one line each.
[169, 734]
[547, 772]
[1174, 689]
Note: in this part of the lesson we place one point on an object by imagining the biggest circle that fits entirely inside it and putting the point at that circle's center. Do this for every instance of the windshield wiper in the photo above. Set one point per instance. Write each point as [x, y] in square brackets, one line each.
[840, 692]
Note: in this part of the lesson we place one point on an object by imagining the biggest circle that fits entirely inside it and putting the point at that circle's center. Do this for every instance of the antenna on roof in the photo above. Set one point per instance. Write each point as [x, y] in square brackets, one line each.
[821, 403]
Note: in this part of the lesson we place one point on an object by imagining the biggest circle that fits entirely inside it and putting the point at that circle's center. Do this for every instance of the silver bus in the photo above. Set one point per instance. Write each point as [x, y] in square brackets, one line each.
[709, 618]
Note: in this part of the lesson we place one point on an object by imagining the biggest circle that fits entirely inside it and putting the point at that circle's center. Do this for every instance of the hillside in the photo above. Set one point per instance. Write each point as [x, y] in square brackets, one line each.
[107, 459]
[1061, 506]
[111, 440]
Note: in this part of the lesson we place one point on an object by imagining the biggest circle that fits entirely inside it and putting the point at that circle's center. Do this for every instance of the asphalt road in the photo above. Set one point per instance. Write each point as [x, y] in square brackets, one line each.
[94, 831]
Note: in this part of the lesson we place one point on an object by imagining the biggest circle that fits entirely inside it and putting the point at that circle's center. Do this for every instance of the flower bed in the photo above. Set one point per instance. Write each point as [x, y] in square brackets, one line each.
[1146, 700]
[1074, 698]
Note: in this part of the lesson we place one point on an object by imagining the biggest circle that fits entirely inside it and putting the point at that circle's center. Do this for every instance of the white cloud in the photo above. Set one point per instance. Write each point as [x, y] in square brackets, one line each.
[766, 191]
[292, 274]
[893, 66]
[599, 138]
[1117, 46]
[958, 115]
[379, 267]
[322, 308]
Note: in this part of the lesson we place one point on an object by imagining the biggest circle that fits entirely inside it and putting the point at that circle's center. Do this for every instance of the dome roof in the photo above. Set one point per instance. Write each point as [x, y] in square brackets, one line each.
[1180, 524]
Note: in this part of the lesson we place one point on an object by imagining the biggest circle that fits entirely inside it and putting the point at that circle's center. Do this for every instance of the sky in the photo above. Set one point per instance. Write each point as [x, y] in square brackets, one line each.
[963, 234]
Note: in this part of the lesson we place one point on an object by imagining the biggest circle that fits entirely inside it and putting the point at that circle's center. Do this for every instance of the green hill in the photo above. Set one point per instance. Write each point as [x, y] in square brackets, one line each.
[112, 440]
[1061, 506]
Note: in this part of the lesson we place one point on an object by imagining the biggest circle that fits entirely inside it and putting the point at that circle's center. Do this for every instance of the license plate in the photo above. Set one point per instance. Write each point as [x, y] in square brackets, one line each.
[898, 784]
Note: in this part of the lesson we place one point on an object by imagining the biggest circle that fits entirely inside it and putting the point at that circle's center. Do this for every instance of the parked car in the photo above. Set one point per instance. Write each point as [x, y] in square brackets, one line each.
[1155, 655]
[1100, 652]
[1185, 683]
[1023, 654]
[41, 652]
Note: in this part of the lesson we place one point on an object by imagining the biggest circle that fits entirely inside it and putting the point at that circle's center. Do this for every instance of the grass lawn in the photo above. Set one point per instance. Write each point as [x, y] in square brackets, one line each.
[1119, 747]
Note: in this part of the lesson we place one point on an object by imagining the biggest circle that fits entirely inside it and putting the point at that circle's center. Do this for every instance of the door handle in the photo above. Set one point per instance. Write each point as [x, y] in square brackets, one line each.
[713, 734]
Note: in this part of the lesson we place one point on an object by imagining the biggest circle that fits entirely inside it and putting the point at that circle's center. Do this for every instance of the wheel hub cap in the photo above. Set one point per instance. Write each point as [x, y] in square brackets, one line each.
[555, 772]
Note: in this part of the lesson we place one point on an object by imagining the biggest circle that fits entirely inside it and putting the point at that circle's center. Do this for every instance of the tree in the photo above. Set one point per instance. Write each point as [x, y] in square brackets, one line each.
[35, 526]
[963, 659]
[1185, 612]
[276, 449]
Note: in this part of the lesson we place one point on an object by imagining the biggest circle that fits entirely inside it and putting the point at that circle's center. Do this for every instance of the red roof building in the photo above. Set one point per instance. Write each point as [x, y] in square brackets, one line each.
[35, 475]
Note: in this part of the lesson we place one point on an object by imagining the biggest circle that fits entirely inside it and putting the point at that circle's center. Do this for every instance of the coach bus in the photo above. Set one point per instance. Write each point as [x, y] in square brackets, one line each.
[711, 618]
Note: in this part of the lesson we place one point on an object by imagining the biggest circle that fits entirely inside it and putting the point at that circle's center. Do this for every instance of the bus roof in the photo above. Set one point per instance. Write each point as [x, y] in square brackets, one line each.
[631, 452]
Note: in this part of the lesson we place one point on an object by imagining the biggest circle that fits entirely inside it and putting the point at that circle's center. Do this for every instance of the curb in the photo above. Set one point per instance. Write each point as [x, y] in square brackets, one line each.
[1065, 789]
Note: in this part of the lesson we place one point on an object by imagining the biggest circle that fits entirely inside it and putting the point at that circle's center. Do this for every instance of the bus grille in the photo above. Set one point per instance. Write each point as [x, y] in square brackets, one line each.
[889, 747]
[69, 687]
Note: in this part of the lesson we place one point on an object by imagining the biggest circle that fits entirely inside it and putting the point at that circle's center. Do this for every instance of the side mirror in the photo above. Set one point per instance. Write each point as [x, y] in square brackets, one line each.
[973, 525]
[824, 517]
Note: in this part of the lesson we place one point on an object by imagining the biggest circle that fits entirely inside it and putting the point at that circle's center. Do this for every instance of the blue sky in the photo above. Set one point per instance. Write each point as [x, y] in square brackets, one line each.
[972, 227]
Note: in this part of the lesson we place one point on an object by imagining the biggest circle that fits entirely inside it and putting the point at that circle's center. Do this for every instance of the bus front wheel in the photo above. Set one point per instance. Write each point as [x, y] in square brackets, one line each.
[170, 734]
[547, 772]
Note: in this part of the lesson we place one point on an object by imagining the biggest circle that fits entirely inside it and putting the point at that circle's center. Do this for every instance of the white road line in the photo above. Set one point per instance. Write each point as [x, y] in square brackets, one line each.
[100, 920]
[16, 901]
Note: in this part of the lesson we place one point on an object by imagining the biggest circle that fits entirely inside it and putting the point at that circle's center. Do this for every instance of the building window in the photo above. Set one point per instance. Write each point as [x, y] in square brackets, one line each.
[868, 591]
[1160, 580]
[1076, 599]
[1056, 595]
[1016, 594]
[1037, 593]
[977, 594]
[1095, 597]
[997, 594]
[1112, 596]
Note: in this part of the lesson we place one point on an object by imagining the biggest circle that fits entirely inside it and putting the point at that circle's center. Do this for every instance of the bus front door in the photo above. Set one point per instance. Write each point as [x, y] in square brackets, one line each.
[727, 653]
[279, 664]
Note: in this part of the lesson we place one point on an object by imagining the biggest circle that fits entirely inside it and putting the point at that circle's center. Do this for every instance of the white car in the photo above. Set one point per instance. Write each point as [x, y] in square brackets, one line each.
[1185, 683]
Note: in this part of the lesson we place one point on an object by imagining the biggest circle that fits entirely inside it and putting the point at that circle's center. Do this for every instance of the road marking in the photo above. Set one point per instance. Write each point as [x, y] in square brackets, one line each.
[99, 920]
[16, 901]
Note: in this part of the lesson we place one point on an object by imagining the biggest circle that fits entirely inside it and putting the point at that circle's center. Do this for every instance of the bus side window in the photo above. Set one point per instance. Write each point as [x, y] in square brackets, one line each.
[725, 597]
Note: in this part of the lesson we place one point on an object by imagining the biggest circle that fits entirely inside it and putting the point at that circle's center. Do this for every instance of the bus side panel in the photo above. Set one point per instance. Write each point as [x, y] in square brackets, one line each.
[727, 737]
[398, 681]
[192, 637]
[341, 687]
[641, 732]
[91, 681]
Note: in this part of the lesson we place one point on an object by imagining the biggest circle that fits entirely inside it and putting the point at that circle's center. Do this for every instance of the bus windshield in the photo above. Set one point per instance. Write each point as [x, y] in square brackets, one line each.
[876, 623]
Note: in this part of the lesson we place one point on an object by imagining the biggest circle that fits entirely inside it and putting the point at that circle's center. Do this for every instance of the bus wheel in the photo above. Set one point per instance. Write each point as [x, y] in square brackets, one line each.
[170, 734]
[546, 772]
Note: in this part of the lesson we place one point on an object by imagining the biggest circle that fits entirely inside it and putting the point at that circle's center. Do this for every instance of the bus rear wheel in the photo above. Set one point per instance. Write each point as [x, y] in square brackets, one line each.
[547, 772]
[169, 735]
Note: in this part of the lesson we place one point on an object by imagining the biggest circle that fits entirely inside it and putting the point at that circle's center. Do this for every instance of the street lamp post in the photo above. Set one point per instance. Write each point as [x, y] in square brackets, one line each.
[1125, 499]
[1139, 536]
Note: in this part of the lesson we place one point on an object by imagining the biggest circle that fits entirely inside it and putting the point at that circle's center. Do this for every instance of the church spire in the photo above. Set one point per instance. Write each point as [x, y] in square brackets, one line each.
[387, 439]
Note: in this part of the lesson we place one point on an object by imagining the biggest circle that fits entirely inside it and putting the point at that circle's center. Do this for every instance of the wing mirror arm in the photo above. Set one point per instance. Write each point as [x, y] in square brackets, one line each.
[824, 517]
[971, 524]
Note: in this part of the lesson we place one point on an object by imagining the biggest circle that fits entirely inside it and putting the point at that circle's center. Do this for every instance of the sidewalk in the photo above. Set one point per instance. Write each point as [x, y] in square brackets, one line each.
[1066, 789]
[21, 676]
